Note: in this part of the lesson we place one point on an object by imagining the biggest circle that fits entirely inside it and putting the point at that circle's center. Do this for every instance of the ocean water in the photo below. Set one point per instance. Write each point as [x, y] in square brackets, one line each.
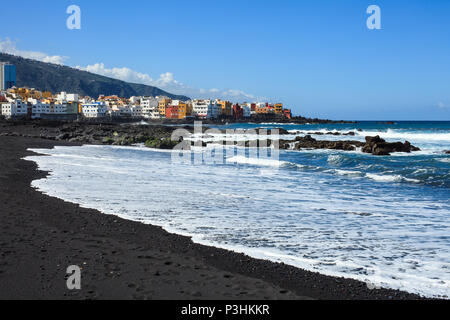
[383, 220]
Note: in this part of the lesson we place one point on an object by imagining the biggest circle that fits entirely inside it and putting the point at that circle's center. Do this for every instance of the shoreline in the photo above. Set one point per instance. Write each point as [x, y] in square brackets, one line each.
[123, 259]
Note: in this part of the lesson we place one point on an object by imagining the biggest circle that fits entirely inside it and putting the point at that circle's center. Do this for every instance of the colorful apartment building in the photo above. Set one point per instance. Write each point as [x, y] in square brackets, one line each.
[172, 112]
[26, 93]
[163, 104]
[47, 94]
[184, 110]
[287, 113]
[238, 112]
[226, 107]
[278, 108]
[147, 107]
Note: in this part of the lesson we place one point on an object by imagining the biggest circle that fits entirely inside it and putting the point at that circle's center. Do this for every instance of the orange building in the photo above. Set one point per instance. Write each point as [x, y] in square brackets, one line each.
[287, 113]
[163, 104]
[226, 106]
[261, 109]
[26, 93]
[279, 108]
[47, 94]
[184, 110]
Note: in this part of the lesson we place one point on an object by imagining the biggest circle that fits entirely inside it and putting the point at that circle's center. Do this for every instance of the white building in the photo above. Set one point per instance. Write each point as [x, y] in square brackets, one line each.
[200, 108]
[86, 100]
[124, 111]
[175, 102]
[149, 107]
[247, 110]
[58, 108]
[136, 111]
[67, 97]
[38, 108]
[14, 108]
[205, 109]
[135, 100]
[215, 111]
[94, 110]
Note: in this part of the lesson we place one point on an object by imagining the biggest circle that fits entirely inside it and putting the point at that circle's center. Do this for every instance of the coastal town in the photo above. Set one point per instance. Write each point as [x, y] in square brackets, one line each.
[18, 102]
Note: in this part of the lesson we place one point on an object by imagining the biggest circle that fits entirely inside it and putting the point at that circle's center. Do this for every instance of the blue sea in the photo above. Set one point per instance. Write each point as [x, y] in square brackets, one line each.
[383, 220]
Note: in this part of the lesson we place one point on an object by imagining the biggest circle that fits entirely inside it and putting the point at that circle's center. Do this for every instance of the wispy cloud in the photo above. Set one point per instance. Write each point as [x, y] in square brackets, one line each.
[165, 81]
[10, 47]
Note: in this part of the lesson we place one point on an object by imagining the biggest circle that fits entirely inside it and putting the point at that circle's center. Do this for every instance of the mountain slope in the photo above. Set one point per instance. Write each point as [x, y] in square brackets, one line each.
[55, 78]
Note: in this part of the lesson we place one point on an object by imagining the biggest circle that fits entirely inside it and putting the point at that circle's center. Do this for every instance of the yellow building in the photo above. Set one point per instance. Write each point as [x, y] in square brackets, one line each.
[33, 93]
[189, 109]
[48, 101]
[227, 107]
[162, 105]
[181, 110]
[26, 93]
[279, 108]
[46, 94]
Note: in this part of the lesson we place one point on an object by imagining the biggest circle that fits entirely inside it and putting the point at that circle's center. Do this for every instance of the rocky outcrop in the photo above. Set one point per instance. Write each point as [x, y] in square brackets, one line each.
[447, 151]
[109, 134]
[158, 136]
[166, 143]
[373, 145]
[379, 147]
[329, 133]
[308, 142]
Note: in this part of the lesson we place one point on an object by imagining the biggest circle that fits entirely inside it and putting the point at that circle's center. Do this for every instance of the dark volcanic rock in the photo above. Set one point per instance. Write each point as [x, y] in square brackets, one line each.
[92, 133]
[264, 131]
[307, 142]
[379, 147]
[373, 145]
[447, 151]
[159, 136]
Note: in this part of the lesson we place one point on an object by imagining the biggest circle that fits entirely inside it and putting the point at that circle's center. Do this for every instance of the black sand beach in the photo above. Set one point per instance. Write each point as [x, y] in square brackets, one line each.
[41, 236]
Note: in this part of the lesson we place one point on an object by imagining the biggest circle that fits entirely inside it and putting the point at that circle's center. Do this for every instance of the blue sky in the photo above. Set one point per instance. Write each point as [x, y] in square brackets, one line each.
[317, 57]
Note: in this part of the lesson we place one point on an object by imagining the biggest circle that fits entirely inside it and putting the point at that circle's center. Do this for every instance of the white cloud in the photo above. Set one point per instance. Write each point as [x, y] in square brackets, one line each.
[165, 81]
[8, 46]
[237, 93]
[125, 74]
